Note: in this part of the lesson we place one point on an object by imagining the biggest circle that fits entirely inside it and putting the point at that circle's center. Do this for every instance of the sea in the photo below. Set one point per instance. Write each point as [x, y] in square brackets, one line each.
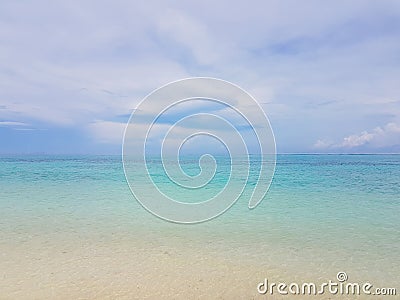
[323, 214]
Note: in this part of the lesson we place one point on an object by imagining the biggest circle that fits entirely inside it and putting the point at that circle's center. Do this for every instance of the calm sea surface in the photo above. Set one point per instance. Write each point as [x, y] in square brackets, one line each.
[323, 213]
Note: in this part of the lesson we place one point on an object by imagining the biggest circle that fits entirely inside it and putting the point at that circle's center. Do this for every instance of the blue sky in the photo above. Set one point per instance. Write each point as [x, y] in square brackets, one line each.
[326, 73]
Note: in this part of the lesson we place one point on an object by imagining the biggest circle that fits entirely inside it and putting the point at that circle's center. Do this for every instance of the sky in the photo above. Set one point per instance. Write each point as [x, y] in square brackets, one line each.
[326, 73]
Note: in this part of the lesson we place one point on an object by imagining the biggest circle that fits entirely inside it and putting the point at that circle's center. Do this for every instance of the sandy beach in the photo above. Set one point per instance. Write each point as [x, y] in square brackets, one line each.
[113, 266]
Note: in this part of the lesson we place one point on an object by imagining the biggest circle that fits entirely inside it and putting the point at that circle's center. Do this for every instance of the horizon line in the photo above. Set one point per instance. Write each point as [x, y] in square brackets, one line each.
[152, 154]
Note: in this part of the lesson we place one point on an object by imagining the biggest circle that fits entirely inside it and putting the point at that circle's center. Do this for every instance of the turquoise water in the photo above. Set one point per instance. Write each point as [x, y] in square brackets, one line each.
[323, 213]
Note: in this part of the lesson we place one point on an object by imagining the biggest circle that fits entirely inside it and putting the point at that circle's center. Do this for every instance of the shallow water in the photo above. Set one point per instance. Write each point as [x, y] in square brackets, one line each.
[323, 214]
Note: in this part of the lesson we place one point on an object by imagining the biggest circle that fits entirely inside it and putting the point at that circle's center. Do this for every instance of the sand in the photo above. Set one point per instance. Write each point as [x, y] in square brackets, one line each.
[122, 266]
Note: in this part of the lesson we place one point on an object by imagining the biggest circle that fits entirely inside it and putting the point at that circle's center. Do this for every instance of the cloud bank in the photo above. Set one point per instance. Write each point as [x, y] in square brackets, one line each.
[380, 138]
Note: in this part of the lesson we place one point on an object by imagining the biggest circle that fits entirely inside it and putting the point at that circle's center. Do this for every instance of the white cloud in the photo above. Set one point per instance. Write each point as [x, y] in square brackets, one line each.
[323, 144]
[379, 137]
[174, 136]
[12, 124]
[107, 132]
[192, 34]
